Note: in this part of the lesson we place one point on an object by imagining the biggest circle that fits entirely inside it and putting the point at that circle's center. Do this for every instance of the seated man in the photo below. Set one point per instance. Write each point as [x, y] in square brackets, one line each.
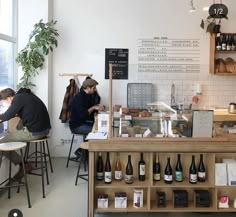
[83, 106]
[34, 123]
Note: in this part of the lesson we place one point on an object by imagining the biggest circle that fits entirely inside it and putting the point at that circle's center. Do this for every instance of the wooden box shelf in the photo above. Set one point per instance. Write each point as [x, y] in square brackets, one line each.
[214, 55]
[214, 151]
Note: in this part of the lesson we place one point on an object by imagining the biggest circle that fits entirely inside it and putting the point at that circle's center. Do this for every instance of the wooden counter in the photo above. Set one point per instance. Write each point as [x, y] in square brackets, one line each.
[224, 116]
[214, 151]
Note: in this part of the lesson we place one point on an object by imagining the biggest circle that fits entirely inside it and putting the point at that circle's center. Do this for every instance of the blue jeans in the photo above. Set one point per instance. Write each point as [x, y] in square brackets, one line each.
[83, 129]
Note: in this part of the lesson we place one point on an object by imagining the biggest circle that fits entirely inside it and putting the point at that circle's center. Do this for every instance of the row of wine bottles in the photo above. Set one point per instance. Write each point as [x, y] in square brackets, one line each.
[195, 173]
[225, 42]
[106, 173]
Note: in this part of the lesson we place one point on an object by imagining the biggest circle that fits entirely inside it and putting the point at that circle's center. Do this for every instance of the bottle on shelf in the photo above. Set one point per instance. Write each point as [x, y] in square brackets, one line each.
[201, 173]
[156, 169]
[223, 43]
[229, 42]
[193, 171]
[233, 43]
[141, 168]
[118, 169]
[218, 42]
[168, 176]
[100, 169]
[178, 170]
[108, 176]
[129, 177]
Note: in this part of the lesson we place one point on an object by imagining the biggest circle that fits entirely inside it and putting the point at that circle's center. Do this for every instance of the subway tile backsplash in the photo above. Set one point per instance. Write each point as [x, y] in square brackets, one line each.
[216, 90]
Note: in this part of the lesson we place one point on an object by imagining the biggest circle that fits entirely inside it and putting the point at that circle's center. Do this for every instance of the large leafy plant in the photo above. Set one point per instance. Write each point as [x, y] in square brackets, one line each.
[42, 41]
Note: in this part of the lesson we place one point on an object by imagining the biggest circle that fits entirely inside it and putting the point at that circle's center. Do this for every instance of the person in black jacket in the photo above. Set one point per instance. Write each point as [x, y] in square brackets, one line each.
[34, 119]
[83, 106]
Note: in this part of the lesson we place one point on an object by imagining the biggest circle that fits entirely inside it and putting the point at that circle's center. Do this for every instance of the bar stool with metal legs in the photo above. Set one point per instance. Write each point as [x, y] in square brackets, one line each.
[9, 147]
[69, 158]
[39, 158]
[84, 160]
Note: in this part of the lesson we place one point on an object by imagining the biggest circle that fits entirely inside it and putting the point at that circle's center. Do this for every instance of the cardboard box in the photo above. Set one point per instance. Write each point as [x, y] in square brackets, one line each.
[220, 174]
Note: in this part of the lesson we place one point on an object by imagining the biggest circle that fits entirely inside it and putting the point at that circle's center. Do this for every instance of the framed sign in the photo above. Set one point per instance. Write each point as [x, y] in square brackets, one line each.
[202, 123]
[119, 58]
[218, 11]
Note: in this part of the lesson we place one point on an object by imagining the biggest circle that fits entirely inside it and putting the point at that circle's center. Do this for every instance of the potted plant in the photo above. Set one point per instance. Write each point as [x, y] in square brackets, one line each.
[42, 41]
[212, 25]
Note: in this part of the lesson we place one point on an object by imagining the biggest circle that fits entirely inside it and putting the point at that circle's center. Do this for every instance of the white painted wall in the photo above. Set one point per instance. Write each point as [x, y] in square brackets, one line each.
[88, 27]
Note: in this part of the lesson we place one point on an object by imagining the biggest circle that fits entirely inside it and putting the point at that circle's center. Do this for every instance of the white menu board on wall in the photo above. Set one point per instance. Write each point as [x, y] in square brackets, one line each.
[202, 123]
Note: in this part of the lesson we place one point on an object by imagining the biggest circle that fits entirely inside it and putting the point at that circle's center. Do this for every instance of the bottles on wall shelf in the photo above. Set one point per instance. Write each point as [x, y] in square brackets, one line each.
[222, 60]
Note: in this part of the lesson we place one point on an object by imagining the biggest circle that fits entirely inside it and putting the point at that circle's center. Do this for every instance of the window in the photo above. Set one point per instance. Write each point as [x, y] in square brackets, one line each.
[7, 43]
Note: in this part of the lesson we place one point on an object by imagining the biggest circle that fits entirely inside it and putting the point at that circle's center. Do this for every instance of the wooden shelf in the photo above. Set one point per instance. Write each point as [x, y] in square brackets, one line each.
[213, 150]
[223, 54]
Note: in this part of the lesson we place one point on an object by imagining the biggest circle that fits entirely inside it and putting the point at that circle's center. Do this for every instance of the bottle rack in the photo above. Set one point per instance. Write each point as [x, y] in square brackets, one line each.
[221, 56]
[210, 155]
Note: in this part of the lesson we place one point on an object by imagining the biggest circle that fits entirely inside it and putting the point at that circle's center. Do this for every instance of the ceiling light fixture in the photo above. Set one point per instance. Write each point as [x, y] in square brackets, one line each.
[192, 8]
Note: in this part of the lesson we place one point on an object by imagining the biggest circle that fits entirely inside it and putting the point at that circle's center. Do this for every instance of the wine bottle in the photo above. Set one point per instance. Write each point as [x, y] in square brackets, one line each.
[201, 174]
[108, 176]
[168, 176]
[118, 169]
[218, 42]
[129, 177]
[223, 44]
[156, 169]
[141, 168]
[229, 42]
[193, 172]
[100, 171]
[233, 43]
[178, 170]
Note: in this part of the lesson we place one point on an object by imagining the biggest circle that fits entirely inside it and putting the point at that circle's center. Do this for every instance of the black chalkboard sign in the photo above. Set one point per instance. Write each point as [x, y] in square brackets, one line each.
[218, 11]
[119, 59]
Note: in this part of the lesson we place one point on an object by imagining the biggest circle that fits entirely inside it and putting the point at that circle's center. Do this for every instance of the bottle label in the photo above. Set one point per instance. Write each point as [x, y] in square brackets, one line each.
[129, 178]
[100, 175]
[201, 175]
[107, 176]
[118, 175]
[168, 177]
[223, 46]
[157, 176]
[218, 47]
[193, 178]
[178, 176]
[142, 170]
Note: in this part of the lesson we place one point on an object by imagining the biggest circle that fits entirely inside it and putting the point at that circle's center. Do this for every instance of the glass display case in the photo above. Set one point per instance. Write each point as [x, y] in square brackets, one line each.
[158, 120]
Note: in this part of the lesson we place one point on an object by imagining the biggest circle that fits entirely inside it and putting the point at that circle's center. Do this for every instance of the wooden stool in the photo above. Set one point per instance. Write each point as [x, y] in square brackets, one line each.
[9, 147]
[75, 159]
[84, 160]
[42, 155]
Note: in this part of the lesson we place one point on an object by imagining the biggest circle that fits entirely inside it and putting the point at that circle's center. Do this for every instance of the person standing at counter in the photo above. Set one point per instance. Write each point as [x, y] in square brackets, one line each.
[83, 107]
[34, 121]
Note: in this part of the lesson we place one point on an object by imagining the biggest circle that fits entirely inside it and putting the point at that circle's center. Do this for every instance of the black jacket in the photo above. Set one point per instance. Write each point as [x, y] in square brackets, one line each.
[79, 106]
[30, 109]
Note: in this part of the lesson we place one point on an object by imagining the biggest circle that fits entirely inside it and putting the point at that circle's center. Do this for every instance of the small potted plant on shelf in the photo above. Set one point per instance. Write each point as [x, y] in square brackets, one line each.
[213, 21]
[42, 41]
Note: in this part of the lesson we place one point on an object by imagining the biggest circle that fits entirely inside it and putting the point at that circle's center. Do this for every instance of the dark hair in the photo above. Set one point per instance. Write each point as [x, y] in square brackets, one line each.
[8, 92]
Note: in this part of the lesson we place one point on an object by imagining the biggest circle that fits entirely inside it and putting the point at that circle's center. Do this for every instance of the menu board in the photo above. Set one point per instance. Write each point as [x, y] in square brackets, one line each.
[119, 59]
[202, 123]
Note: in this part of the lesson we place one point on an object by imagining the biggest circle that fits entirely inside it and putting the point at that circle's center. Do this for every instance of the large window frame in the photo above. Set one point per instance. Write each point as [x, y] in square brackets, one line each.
[8, 46]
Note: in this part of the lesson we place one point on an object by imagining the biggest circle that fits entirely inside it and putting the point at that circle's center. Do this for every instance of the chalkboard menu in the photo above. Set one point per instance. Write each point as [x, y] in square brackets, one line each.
[119, 59]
